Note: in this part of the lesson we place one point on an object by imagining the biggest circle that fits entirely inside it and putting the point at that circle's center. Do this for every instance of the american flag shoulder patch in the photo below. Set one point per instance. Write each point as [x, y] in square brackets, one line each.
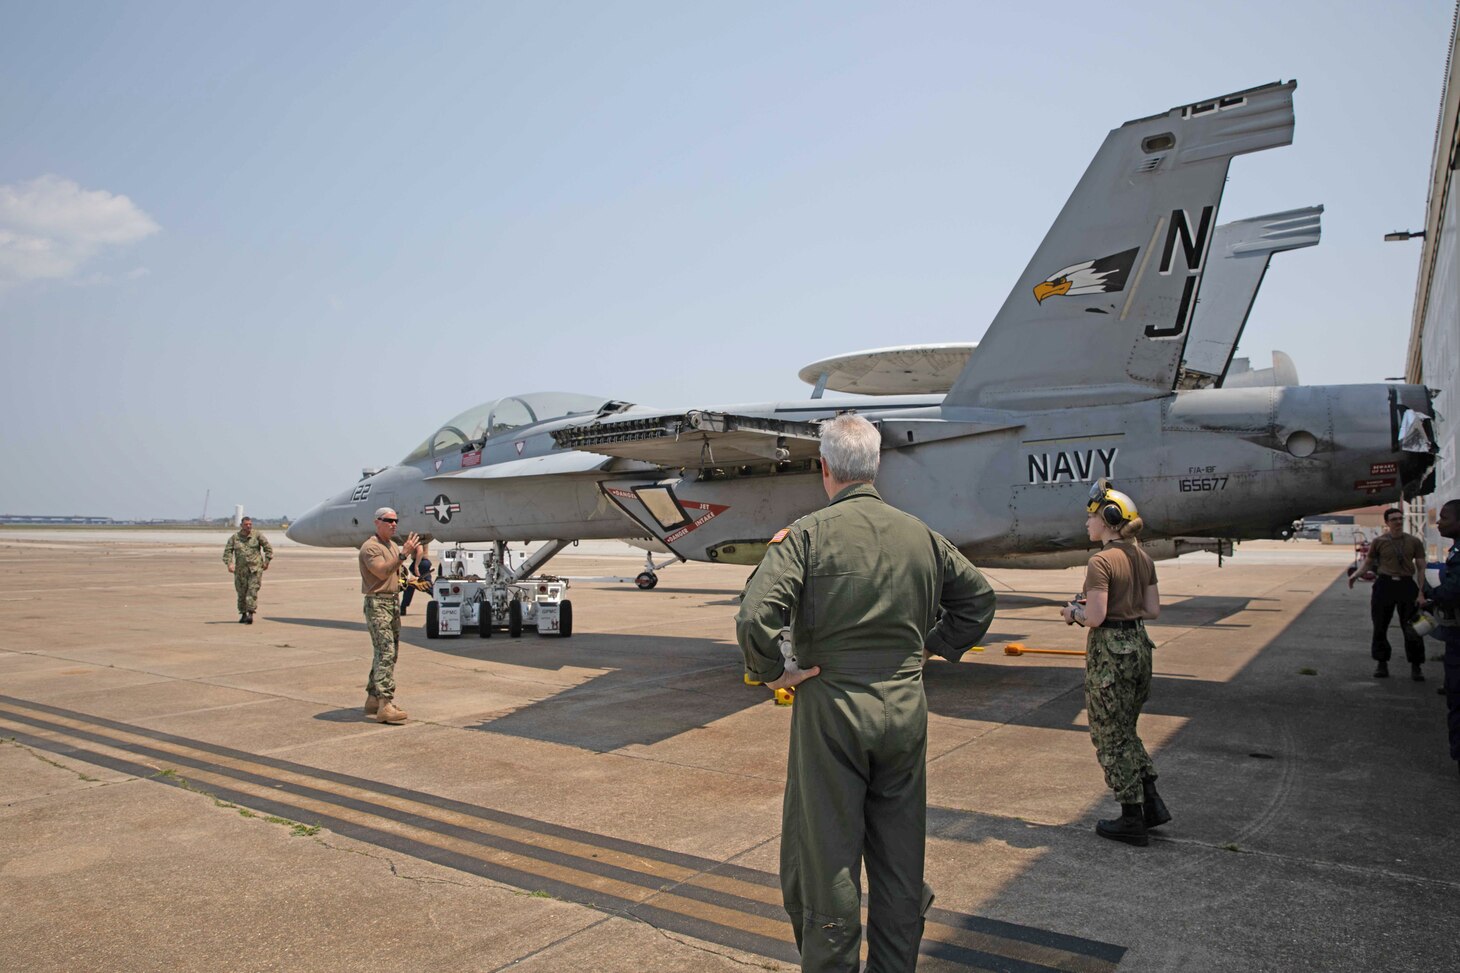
[780, 535]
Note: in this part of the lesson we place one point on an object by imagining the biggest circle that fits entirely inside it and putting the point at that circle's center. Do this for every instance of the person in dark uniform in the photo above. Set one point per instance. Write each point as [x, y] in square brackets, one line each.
[860, 584]
[421, 569]
[1444, 600]
[1399, 562]
[1120, 594]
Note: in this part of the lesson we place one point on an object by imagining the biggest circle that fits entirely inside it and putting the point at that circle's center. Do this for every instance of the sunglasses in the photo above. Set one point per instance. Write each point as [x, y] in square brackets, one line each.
[386, 520]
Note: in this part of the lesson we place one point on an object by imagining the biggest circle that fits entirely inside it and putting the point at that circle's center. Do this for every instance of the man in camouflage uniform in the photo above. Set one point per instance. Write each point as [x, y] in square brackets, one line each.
[247, 555]
[862, 583]
[381, 561]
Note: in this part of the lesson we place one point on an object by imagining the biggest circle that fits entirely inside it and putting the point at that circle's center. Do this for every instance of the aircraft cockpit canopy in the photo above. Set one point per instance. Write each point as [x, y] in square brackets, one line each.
[501, 416]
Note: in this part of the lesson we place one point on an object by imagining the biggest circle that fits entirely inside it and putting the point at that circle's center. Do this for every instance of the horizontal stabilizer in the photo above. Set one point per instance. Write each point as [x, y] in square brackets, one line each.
[1241, 374]
[695, 440]
[1239, 260]
[1102, 311]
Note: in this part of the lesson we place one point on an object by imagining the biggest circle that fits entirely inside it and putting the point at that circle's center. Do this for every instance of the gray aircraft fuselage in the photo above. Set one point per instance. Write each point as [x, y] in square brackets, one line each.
[1007, 488]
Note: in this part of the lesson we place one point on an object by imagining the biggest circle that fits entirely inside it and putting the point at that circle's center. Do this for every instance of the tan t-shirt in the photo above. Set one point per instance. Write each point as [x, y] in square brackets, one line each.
[379, 567]
[1112, 571]
[1396, 556]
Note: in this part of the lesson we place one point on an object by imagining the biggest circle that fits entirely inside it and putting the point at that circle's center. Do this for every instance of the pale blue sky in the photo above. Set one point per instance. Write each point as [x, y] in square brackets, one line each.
[344, 223]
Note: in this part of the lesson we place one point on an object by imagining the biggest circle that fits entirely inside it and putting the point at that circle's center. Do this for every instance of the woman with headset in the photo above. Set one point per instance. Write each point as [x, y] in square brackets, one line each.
[1119, 595]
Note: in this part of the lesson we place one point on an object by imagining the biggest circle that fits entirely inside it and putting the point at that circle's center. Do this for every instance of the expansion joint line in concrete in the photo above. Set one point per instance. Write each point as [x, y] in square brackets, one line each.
[709, 900]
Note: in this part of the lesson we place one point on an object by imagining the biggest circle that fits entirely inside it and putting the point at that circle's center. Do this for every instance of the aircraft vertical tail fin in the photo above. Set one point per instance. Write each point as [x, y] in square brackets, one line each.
[1111, 291]
[1240, 254]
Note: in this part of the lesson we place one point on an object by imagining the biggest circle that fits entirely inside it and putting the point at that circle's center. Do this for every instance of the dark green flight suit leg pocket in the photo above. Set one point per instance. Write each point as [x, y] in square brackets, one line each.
[821, 839]
[896, 814]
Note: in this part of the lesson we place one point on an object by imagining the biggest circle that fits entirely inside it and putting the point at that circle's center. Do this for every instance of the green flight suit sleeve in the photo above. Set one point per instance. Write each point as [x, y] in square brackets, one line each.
[267, 548]
[228, 552]
[774, 586]
[968, 606]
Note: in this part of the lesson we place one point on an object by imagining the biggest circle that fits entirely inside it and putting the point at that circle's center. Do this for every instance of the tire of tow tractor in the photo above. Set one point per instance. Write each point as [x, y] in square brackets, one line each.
[484, 620]
[433, 620]
[646, 580]
[514, 619]
[565, 619]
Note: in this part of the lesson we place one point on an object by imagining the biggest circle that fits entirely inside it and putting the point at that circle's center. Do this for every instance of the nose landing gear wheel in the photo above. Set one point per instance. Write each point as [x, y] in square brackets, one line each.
[565, 619]
[646, 580]
[514, 618]
[433, 620]
[484, 620]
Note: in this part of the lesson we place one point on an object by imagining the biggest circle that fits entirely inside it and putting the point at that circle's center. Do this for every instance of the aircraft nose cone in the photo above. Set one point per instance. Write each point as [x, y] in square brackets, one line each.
[308, 529]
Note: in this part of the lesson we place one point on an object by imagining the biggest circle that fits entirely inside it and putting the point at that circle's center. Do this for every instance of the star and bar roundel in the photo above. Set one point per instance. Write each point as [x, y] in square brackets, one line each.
[441, 508]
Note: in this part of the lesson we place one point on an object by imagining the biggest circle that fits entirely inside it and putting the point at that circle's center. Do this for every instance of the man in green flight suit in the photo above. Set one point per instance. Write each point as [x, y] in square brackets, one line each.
[862, 584]
[247, 555]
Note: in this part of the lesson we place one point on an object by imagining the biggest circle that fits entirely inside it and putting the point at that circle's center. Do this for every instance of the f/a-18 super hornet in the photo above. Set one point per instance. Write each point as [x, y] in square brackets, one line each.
[1088, 371]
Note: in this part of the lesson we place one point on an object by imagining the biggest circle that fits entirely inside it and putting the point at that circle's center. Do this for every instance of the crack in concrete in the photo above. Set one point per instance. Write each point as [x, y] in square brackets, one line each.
[97, 781]
[556, 942]
[766, 965]
[418, 879]
[54, 763]
[1365, 870]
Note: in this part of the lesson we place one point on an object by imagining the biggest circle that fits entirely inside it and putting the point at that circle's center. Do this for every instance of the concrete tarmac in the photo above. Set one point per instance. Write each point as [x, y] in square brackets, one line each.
[181, 792]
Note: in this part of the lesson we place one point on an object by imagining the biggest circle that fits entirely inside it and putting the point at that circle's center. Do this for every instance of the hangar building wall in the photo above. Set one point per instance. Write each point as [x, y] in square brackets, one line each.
[1434, 342]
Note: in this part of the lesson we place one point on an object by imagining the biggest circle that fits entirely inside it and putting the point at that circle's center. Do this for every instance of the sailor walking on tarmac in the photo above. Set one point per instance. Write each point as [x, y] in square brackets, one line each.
[862, 583]
[247, 555]
[1120, 594]
[1398, 560]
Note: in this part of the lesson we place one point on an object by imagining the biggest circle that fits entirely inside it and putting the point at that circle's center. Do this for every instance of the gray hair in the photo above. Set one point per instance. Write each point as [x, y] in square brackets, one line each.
[851, 448]
[382, 511]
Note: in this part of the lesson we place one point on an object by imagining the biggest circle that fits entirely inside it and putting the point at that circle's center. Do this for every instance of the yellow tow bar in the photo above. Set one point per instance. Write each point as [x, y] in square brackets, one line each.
[1018, 648]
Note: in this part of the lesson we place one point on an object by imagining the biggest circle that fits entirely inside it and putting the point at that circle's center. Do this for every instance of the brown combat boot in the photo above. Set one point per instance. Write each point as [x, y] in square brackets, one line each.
[372, 704]
[391, 713]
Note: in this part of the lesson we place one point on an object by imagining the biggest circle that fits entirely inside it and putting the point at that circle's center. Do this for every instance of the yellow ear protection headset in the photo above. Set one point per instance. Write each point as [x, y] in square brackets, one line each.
[1114, 507]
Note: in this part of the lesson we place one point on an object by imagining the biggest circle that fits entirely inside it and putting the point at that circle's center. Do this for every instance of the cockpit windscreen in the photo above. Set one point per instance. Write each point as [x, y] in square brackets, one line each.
[501, 416]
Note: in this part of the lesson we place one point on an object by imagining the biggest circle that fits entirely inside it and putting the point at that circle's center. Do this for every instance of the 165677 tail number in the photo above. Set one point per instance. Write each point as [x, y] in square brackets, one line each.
[1201, 484]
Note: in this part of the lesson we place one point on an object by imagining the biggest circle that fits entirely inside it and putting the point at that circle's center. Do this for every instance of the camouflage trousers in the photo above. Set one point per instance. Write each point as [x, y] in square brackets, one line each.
[382, 616]
[246, 582]
[1117, 682]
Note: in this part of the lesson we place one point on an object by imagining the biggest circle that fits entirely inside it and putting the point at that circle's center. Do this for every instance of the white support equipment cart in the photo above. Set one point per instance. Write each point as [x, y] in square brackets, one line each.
[480, 589]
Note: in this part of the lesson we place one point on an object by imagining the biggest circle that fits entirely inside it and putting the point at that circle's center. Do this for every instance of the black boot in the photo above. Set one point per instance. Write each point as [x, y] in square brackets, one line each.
[242, 617]
[1130, 827]
[1381, 671]
[1416, 673]
[1156, 812]
[248, 619]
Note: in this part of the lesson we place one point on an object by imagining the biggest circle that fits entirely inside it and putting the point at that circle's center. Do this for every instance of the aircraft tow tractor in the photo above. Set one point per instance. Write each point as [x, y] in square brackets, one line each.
[481, 589]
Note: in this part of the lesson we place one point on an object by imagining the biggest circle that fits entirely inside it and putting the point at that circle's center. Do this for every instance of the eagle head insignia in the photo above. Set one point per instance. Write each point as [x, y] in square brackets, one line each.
[1103, 276]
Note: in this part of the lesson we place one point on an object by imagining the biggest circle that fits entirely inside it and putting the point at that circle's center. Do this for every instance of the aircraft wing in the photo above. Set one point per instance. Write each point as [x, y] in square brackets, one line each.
[695, 439]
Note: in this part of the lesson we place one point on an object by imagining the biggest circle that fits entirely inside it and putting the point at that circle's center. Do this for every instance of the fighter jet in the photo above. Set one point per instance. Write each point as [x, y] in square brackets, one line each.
[1082, 375]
